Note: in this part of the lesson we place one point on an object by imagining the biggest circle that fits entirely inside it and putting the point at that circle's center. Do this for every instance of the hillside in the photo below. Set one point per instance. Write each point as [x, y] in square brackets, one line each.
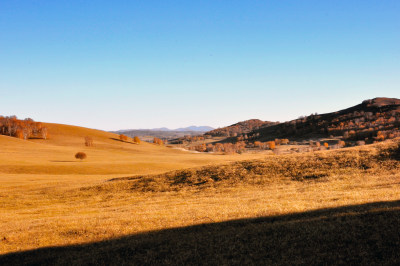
[148, 135]
[368, 122]
[372, 120]
[320, 208]
[239, 128]
[108, 156]
[164, 133]
[126, 198]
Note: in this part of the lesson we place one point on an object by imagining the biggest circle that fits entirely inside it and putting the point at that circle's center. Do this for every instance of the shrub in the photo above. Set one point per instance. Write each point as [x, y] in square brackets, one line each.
[80, 155]
[360, 143]
[136, 140]
[284, 141]
[257, 144]
[271, 145]
[88, 141]
[380, 136]
[158, 141]
[123, 137]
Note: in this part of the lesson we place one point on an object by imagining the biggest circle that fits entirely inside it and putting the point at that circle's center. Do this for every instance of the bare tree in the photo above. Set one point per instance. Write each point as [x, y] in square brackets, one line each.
[88, 141]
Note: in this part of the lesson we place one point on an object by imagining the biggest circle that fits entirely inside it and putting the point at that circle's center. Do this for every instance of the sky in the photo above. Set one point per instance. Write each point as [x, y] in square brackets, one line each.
[143, 64]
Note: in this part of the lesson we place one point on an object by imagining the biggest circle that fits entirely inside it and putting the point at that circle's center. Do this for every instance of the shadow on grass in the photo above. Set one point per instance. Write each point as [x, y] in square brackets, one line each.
[358, 234]
[120, 140]
[55, 161]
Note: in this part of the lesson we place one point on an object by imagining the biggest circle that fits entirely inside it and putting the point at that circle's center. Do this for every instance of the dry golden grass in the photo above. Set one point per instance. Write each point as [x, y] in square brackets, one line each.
[33, 172]
[44, 202]
[108, 156]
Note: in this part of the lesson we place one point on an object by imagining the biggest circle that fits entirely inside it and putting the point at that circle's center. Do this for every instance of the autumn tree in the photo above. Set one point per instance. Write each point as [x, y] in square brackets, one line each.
[257, 144]
[271, 145]
[380, 136]
[80, 155]
[88, 141]
[19, 134]
[23, 129]
[158, 141]
[44, 132]
[342, 143]
[284, 141]
[210, 147]
[228, 147]
[123, 137]
[218, 147]
[136, 139]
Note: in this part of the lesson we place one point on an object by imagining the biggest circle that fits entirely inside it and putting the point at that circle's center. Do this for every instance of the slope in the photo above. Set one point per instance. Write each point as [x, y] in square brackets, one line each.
[108, 156]
[374, 119]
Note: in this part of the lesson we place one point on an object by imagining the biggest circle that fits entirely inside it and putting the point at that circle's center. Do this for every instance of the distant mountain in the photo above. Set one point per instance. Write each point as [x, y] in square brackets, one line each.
[165, 133]
[194, 128]
[156, 129]
[181, 129]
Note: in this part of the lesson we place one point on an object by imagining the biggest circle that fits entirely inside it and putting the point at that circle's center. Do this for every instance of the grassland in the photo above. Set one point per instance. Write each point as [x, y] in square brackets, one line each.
[123, 203]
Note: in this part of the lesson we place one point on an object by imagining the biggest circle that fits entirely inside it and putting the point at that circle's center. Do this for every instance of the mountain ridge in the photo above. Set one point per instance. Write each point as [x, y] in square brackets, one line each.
[189, 128]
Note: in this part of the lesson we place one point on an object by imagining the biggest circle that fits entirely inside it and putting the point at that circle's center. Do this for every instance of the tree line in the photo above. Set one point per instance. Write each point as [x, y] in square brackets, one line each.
[22, 129]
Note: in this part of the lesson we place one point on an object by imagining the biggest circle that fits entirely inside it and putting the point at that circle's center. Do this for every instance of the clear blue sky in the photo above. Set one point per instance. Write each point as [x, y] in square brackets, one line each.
[142, 64]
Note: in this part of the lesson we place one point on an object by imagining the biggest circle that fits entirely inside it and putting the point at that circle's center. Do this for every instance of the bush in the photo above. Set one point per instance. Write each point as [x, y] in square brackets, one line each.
[158, 141]
[360, 143]
[271, 145]
[88, 141]
[341, 144]
[80, 155]
[136, 140]
[123, 137]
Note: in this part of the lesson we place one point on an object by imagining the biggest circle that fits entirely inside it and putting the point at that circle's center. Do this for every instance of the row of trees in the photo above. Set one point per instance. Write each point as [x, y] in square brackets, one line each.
[158, 141]
[23, 129]
[237, 147]
[239, 128]
[122, 137]
[135, 139]
[265, 145]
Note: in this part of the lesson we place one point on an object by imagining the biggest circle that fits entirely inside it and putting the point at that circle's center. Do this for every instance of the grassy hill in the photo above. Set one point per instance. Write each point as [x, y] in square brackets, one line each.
[372, 120]
[33, 171]
[365, 121]
[128, 198]
[242, 127]
[108, 156]
[361, 234]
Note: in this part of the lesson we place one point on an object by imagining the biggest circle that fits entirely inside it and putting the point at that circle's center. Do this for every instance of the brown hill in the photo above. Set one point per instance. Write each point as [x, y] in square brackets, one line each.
[242, 127]
[372, 120]
[380, 102]
[328, 207]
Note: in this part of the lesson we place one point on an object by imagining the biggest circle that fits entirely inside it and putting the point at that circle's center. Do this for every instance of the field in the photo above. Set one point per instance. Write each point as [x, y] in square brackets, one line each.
[147, 204]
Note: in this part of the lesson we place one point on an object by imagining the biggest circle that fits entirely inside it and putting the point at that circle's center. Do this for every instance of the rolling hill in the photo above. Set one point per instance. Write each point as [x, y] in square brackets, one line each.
[165, 133]
[148, 204]
[372, 120]
[242, 127]
[324, 207]
[108, 156]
